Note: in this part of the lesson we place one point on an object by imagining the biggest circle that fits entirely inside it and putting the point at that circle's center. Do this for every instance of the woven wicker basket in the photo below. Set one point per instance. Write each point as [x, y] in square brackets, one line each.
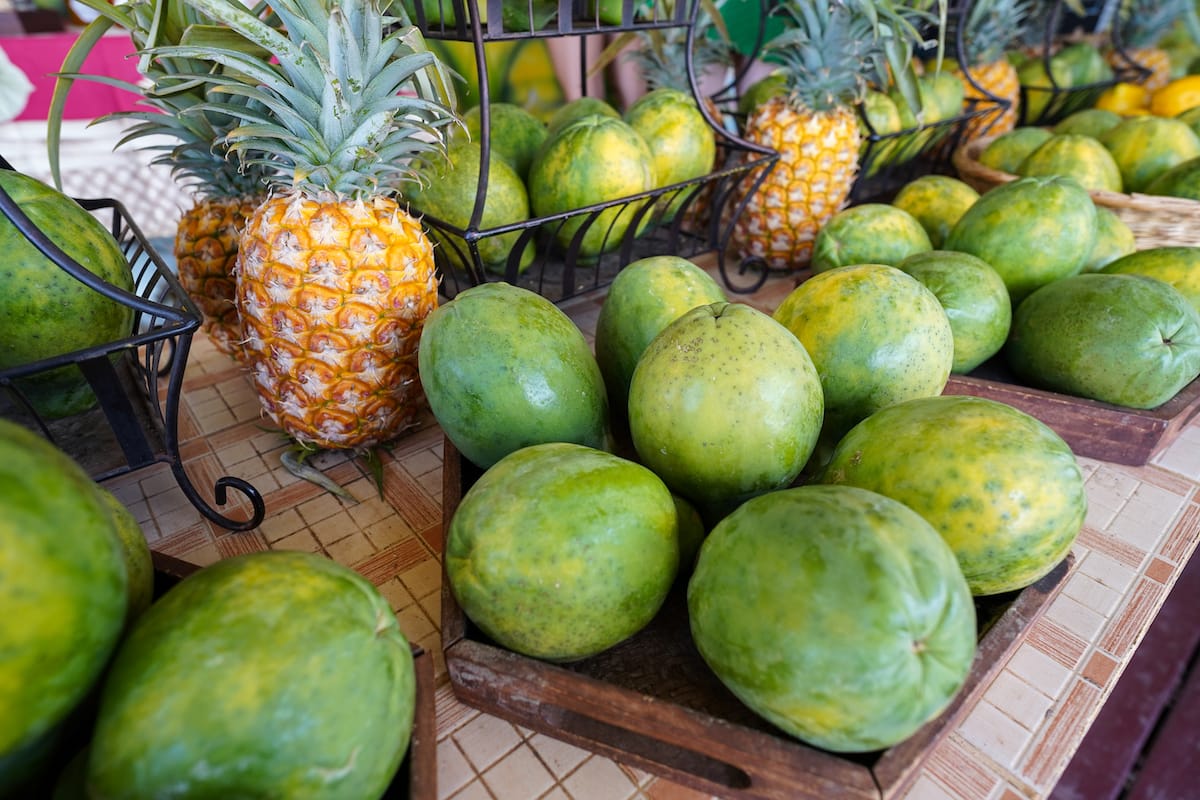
[1155, 221]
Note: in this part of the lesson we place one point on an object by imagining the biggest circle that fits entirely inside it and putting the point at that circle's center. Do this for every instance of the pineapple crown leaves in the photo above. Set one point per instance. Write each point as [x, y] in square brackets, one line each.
[833, 49]
[337, 131]
[660, 53]
[991, 26]
[1143, 23]
[196, 159]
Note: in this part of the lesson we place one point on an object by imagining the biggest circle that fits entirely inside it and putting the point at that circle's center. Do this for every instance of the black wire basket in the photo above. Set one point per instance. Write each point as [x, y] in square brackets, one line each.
[549, 256]
[137, 380]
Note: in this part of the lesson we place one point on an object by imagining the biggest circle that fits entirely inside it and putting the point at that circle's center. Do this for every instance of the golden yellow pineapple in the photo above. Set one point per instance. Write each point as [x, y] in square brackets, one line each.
[206, 248]
[990, 28]
[828, 57]
[334, 278]
[1141, 25]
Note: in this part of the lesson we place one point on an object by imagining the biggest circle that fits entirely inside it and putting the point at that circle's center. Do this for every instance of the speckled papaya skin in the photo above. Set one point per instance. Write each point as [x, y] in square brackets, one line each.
[1003, 489]
[871, 233]
[837, 614]
[560, 551]
[1031, 230]
[275, 674]
[44, 311]
[504, 368]
[62, 587]
[876, 335]
[725, 404]
[1176, 265]
[1128, 340]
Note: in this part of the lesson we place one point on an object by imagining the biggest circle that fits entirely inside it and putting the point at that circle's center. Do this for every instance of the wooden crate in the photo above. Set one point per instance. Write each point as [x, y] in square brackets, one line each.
[1093, 429]
[417, 777]
[652, 702]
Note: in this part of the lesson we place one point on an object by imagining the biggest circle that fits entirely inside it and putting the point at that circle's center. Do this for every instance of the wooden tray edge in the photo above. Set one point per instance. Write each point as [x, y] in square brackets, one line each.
[687, 728]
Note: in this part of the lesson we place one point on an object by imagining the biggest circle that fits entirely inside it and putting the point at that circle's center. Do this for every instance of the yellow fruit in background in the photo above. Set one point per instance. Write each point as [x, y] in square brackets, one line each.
[937, 202]
[1124, 98]
[1176, 97]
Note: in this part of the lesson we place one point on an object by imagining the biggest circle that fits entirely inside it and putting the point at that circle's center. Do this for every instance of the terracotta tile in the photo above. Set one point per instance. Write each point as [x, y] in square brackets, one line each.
[411, 502]
[190, 451]
[953, 765]
[1100, 669]
[1160, 571]
[1173, 482]
[663, 789]
[232, 544]
[1120, 551]
[1051, 638]
[1049, 756]
[1181, 541]
[392, 560]
[434, 538]
[599, 778]
[293, 492]
[518, 776]
[1124, 634]
[183, 541]
[1011, 794]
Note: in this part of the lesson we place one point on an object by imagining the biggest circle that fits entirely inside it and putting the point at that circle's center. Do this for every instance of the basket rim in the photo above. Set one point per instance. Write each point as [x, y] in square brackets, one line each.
[966, 163]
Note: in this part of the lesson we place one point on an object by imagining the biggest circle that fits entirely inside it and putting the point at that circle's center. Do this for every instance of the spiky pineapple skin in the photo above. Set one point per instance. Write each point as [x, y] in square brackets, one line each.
[1157, 61]
[997, 79]
[808, 184]
[333, 295]
[206, 248]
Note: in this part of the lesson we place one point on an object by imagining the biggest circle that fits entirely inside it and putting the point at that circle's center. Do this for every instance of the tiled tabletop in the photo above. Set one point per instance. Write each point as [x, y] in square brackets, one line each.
[1013, 742]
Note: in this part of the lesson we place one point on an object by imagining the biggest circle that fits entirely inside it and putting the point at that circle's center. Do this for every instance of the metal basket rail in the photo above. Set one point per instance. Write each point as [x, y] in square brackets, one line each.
[560, 270]
[490, 20]
[1055, 102]
[137, 380]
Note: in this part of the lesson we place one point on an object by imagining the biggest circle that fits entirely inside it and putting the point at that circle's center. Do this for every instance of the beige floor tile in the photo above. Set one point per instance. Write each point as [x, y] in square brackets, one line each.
[1039, 670]
[1183, 455]
[281, 523]
[1144, 520]
[518, 776]
[475, 790]
[1075, 617]
[300, 540]
[925, 788]
[423, 579]
[561, 757]
[352, 549]
[1092, 594]
[993, 731]
[486, 739]
[1023, 703]
[1107, 571]
[556, 793]
[453, 769]
[599, 778]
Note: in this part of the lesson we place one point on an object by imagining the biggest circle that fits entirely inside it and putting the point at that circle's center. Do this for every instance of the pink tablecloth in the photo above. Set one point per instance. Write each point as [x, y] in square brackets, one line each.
[41, 55]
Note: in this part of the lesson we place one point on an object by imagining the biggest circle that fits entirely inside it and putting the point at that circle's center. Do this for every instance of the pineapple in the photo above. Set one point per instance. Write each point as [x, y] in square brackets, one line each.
[207, 234]
[990, 27]
[1140, 26]
[835, 49]
[334, 278]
